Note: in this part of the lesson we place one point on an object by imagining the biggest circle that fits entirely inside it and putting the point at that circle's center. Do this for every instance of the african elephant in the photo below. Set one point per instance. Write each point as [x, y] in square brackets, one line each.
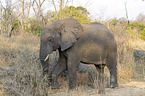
[86, 43]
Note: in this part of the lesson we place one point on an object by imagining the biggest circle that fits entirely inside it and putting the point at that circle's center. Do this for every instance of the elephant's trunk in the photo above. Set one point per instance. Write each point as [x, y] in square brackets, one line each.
[44, 60]
[45, 50]
[44, 53]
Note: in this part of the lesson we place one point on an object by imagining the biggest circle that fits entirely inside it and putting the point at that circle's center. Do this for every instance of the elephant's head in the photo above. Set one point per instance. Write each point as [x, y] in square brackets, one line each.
[59, 34]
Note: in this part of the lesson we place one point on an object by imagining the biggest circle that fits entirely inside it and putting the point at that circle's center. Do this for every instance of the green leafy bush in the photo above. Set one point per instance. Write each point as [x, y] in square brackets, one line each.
[79, 13]
[135, 28]
[33, 26]
[143, 34]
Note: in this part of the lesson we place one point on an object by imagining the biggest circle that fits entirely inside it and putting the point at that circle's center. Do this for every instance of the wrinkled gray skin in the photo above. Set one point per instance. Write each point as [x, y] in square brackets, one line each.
[83, 68]
[87, 43]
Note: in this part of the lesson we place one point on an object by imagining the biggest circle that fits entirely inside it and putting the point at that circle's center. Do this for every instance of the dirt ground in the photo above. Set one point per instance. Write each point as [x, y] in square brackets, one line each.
[133, 88]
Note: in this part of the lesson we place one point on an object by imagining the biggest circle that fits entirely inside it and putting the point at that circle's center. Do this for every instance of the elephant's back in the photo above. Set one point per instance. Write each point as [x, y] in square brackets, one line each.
[97, 33]
[96, 28]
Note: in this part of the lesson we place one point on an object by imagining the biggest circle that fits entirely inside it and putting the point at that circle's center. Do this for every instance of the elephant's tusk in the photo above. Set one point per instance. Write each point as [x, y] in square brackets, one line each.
[46, 57]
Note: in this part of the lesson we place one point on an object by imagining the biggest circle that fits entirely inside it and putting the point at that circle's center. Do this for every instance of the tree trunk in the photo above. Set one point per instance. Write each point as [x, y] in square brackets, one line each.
[61, 6]
[1, 14]
[126, 11]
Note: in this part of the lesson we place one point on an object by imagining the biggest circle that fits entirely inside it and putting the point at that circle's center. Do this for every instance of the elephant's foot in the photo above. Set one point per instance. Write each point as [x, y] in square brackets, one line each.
[54, 83]
[113, 81]
[113, 85]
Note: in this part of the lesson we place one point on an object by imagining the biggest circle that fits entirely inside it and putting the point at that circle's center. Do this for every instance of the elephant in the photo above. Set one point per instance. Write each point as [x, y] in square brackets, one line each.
[79, 43]
[83, 68]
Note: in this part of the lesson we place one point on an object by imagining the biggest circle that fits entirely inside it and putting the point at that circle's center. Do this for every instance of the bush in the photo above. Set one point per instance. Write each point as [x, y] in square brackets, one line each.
[143, 34]
[33, 26]
[79, 13]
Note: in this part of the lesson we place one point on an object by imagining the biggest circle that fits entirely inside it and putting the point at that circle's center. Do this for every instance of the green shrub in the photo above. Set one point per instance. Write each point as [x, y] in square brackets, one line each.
[136, 24]
[143, 34]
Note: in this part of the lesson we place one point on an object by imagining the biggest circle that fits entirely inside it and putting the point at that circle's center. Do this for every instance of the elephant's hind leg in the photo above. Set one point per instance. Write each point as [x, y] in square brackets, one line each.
[100, 78]
[112, 66]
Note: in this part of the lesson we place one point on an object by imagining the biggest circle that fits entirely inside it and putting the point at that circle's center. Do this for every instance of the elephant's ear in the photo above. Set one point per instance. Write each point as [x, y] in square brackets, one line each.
[70, 32]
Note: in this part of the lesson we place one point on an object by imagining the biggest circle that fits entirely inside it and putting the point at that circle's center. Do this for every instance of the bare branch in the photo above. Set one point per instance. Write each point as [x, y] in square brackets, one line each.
[66, 3]
[1, 14]
[33, 7]
[36, 2]
[29, 8]
[42, 2]
[18, 15]
[126, 11]
[23, 4]
[54, 5]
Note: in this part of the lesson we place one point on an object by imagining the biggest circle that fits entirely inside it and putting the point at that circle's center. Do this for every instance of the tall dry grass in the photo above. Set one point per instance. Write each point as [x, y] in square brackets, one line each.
[19, 70]
[127, 43]
[21, 73]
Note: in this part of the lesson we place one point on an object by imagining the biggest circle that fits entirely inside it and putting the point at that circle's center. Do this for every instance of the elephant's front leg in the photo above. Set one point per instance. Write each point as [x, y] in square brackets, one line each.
[57, 70]
[72, 70]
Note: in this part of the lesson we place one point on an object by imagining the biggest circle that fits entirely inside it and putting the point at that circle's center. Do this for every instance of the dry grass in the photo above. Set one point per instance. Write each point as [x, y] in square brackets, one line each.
[20, 70]
[127, 43]
[21, 74]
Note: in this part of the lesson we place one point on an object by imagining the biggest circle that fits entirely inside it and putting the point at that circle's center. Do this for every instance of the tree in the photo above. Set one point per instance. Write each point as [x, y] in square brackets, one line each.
[34, 23]
[141, 18]
[79, 13]
[61, 4]
[126, 11]
[25, 11]
[39, 4]
[1, 15]
[7, 17]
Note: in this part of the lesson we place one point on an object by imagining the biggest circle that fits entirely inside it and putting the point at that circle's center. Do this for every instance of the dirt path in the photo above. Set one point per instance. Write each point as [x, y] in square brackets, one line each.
[128, 89]
[134, 88]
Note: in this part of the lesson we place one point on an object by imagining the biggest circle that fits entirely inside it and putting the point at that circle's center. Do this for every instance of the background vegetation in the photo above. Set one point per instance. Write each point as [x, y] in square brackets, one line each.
[20, 70]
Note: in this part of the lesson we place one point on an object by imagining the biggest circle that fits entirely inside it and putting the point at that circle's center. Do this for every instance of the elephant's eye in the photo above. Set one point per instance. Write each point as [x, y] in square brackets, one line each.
[50, 39]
